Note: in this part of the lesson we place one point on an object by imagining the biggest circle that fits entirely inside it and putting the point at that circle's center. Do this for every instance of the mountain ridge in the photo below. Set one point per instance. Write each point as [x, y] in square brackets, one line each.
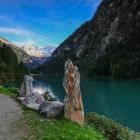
[114, 27]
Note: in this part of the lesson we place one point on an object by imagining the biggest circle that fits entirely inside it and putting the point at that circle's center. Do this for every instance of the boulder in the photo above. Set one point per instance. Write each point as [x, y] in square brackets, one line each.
[27, 86]
[73, 106]
[28, 96]
[33, 106]
[51, 109]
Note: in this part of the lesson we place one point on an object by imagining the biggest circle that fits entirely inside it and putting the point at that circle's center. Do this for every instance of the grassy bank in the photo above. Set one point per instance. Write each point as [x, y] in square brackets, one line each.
[33, 126]
[36, 127]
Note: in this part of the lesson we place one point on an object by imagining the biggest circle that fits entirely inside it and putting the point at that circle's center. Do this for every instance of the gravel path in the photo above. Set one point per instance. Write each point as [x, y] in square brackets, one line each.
[9, 114]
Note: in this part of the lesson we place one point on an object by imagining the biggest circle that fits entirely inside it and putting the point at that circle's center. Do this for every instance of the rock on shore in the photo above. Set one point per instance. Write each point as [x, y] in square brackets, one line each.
[28, 96]
[73, 106]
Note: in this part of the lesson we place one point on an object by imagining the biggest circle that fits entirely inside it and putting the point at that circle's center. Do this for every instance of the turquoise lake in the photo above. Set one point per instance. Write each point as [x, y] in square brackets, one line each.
[116, 99]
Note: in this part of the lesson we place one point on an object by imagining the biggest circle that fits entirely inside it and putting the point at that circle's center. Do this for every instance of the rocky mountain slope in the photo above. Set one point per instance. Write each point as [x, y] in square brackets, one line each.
[108, 44]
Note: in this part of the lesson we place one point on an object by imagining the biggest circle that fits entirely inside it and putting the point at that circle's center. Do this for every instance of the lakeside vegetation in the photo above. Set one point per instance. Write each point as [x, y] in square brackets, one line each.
[110, 129]
[33, 126]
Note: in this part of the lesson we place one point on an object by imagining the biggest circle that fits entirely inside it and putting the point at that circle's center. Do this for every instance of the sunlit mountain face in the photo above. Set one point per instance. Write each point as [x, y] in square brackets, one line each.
[37, 51]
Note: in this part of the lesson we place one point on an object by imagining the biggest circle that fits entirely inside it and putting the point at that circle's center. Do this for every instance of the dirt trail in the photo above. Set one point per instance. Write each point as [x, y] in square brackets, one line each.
[10, 112]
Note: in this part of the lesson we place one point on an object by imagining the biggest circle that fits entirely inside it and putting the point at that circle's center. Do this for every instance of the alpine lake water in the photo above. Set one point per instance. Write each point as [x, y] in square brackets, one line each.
[117, 99]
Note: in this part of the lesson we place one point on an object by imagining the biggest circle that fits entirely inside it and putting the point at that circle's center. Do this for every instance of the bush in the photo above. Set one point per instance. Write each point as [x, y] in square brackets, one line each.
[48, 97]
[109, 128]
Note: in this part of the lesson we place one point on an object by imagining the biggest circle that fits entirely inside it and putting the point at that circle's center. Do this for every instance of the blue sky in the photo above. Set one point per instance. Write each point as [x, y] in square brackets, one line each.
[43, 22]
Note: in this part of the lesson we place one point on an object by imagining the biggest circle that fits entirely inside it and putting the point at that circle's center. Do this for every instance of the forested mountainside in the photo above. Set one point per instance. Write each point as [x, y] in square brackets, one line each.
[10, 67]
[29, 61]
[21, 54]
[107, 45]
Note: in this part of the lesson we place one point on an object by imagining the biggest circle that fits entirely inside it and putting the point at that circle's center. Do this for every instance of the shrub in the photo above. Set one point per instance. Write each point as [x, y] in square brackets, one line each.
[109, 128]
[48, 97]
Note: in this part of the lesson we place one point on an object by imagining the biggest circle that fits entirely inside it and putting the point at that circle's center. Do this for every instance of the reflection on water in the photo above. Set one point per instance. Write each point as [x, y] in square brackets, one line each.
[41, 86]
[39, 90]
[117, 99]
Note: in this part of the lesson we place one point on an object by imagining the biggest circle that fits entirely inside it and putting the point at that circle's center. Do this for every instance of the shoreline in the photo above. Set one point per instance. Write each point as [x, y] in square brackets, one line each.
[96, 122]
[92, 110]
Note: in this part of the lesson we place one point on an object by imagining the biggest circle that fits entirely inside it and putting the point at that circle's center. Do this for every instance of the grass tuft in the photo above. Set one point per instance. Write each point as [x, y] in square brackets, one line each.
[12, 92]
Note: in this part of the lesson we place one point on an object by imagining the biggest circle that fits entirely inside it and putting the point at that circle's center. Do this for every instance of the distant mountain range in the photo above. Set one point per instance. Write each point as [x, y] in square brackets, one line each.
[107, 45]
[31, 56]
[37, 51]
[39, 55]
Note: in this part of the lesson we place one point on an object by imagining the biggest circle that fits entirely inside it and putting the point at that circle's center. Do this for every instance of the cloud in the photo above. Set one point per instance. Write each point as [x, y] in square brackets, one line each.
[26, 42]
[16, 31]
[26, 37]
[37, 42]
[5, 16]
[43, 22]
